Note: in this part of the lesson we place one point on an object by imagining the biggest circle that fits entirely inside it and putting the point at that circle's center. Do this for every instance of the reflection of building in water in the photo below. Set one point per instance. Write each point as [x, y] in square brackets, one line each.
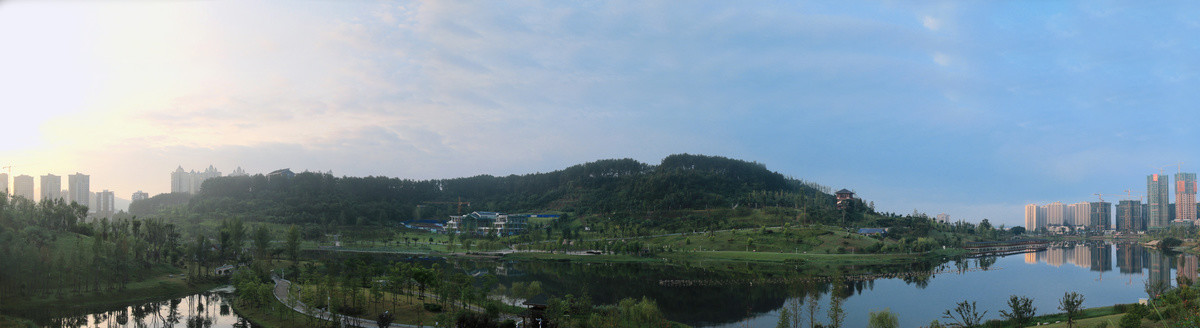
[1101, 257]
[1081, 257]
[1054, 256]
[1187, 266]
[1031, 258]
[1160, 269]
[1131, 258]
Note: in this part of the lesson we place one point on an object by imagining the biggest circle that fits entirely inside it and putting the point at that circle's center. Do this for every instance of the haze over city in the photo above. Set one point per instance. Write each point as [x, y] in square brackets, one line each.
[971, 109]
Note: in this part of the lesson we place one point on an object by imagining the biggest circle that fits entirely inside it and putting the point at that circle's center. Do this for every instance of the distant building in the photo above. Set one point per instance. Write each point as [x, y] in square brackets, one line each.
[77, 188]
[1101, 216]
[1130, 217]
[943, 218]
[51, 187]
[1069, 215]
[281, 173]
[191, 181]
[238, 172]
[488, 223]
[4, 185]
[1158, 196]
[105, 207]
[1055, 213]
[1033, 217]
[844, 197]
[1185, 196]
[1083, 215]
[23, 186]
[139, 195]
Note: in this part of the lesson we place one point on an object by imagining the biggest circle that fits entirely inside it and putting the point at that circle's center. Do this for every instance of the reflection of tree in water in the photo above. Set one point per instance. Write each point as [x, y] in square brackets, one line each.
[986, 262]
[734, 290]
[173, 314]
[122, 316]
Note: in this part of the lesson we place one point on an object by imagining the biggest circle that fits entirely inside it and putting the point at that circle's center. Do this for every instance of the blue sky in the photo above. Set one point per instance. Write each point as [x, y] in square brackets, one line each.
[969, 108]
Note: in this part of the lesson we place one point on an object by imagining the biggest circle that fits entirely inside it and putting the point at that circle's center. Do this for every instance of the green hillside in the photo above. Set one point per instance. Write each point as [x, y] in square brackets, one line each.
[620, 187]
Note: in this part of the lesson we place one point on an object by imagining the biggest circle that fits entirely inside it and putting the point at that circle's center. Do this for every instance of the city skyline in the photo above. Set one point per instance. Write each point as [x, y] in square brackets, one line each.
[970, 109]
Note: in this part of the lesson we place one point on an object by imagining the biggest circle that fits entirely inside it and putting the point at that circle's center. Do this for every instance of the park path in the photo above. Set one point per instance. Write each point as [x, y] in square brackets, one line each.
[283, 286]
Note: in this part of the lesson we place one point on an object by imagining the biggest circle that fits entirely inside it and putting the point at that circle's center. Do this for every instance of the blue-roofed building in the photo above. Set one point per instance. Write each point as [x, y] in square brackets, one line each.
[488, 223]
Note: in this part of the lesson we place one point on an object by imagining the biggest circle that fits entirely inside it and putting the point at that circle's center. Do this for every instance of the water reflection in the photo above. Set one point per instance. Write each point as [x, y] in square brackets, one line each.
[192, 311]
[748, 295]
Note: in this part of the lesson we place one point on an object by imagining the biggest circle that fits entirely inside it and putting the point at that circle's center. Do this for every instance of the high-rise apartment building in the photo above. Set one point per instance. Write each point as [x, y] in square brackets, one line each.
[1185, 196]
[51, 187]
[139, 195]
[1158, 196]
[238, 172]
[4, 186]
[78, 186]
[1055, 213]
[1069, 216]
[190, 182]
[943, 218]
[106, 202]
[1101, 216]
[1033, 217]
[23, 186]
[1130, 217]
[1083, 214]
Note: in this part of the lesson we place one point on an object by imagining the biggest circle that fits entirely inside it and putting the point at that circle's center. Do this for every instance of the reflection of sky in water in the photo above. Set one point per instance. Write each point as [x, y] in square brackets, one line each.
[1052, 274]
[192, 311]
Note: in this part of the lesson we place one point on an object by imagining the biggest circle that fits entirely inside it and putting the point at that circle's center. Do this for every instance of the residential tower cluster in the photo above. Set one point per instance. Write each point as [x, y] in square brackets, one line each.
[1132, 215]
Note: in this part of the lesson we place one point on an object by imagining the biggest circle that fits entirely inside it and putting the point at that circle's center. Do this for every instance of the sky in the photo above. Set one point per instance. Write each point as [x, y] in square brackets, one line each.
[973, 109]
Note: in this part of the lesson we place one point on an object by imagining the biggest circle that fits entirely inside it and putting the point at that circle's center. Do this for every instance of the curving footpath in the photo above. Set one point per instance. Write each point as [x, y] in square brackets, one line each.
[281, 293]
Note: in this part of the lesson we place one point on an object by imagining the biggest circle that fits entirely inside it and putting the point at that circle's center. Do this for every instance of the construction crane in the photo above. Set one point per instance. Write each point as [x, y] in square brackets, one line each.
[1130, 193]
[460, 203]
[1100, 196]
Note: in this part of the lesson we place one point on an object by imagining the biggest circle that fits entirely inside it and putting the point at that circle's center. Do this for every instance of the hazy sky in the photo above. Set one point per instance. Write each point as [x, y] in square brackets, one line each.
[969, 108]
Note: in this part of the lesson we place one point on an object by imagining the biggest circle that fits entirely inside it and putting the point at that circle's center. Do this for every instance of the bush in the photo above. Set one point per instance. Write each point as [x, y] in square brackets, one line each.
[1131, 320]
[433, 307]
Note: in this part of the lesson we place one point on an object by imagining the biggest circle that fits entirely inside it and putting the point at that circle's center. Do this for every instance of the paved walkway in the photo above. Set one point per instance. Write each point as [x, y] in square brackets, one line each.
[283, 286]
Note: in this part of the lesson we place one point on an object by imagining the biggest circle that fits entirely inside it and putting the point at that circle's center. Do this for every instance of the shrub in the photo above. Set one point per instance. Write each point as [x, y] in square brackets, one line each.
[433, 307]
[1131, 320]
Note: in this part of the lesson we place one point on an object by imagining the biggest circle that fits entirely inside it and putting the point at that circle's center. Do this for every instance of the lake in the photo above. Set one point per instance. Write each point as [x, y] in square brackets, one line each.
[207, 309]
[1104, 273]
[722, 294]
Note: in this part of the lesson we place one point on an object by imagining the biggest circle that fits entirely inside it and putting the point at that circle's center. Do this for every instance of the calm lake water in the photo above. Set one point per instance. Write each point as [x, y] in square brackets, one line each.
[197, 310]
[749, 295]
[1104, 273]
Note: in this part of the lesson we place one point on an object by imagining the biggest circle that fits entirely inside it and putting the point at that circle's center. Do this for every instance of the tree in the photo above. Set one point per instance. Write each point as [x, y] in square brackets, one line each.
[1070, 304]
[262, 242]
[813, 308]
[785, 319]
[836, 314]
[883, 319]
[965, 315]
[1022, 310]
[293, 242]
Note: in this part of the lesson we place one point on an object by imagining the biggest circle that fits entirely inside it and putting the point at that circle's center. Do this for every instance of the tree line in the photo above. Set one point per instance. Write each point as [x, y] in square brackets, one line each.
[679, 182]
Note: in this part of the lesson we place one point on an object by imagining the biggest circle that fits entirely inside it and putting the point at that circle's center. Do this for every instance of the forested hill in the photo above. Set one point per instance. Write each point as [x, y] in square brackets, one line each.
[679, 182]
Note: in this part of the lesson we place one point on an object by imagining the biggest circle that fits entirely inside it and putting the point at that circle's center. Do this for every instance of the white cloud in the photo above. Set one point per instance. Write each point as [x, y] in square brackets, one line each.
[941, 59]
[933, 24]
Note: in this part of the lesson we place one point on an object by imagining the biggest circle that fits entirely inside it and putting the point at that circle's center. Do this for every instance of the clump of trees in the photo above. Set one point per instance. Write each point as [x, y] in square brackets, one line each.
[49, 248]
